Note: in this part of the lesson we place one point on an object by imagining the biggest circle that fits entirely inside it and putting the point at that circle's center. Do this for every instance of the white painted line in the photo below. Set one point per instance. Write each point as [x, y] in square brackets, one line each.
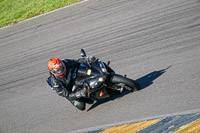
[59, 9]
[85, 130]
[46, 13]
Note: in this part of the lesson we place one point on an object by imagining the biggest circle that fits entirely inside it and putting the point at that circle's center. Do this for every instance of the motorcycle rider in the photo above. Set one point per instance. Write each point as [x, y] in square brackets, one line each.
[62, 73]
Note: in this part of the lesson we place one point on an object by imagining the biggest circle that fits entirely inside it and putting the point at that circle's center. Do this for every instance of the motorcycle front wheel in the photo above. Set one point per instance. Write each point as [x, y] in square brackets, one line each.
[127, 83]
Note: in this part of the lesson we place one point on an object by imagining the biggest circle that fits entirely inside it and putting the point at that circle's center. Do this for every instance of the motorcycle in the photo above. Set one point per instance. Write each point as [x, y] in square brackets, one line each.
[102, 81]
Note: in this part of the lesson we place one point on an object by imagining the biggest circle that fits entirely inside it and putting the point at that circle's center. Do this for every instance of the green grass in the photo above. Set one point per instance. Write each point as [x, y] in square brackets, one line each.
[13, 11]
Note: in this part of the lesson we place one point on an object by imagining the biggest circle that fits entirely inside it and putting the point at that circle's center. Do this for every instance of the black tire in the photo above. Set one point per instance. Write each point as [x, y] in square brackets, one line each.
[117, 79]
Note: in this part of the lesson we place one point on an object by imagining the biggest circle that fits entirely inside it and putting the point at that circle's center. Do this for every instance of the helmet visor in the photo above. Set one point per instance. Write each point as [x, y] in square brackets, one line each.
[60, 70]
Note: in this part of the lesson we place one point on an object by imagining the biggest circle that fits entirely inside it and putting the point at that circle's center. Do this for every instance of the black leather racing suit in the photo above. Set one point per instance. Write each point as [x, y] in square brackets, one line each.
[63, 85]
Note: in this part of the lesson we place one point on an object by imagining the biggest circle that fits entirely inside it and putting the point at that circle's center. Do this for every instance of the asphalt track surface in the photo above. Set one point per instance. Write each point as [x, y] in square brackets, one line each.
[157, 43]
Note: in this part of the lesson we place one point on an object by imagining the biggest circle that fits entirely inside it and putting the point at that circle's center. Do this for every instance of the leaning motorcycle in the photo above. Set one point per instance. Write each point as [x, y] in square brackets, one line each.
[102, 81]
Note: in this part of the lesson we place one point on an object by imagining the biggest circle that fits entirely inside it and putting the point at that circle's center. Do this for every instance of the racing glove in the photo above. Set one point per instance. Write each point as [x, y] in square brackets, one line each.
[82, 91]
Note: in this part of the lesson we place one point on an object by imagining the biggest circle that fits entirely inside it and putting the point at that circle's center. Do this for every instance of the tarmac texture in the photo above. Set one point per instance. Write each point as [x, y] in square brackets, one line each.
[156, 43]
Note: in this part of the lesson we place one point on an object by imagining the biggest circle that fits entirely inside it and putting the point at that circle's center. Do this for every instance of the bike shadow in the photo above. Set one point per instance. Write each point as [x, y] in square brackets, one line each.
[144, 82]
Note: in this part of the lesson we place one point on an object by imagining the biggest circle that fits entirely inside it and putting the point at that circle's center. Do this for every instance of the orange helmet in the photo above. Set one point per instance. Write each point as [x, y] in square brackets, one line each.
[56, 66]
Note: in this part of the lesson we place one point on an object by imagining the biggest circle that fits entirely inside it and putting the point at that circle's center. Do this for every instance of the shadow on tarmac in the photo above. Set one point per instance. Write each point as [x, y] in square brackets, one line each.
[148, 79]
[144, 82]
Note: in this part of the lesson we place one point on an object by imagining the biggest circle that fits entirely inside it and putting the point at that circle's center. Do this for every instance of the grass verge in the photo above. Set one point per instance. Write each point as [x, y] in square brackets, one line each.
[13, 11]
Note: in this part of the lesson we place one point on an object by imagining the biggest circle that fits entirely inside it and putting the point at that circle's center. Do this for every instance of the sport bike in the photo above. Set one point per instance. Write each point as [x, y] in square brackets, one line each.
[102, 81]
